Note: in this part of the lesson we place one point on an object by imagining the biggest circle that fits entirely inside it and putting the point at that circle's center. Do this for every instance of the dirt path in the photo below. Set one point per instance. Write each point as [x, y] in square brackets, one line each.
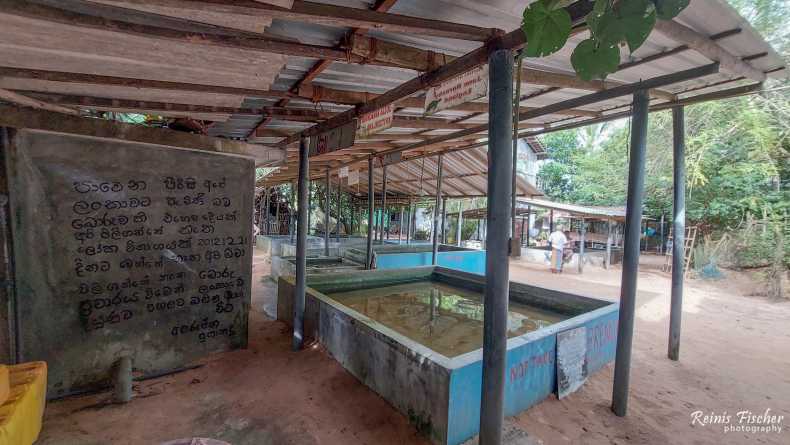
[735, 355]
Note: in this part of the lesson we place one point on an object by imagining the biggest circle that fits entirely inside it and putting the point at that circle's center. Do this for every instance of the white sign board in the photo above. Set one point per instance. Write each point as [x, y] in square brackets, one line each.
[375, 121]
[353, 177]
[343, 172]
[571, 360]
[468, 86]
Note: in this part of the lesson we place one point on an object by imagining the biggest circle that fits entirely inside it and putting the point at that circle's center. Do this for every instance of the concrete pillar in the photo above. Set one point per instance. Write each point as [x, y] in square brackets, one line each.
[633, 218]
[678, 229]
[123, 380]
[497, 287]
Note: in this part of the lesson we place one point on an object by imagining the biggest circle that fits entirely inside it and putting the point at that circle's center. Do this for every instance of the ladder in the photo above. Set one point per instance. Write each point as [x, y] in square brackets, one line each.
[688, 249]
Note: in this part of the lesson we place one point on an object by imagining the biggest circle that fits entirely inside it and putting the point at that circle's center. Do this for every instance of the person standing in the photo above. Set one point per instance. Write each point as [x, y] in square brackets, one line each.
[557, 240]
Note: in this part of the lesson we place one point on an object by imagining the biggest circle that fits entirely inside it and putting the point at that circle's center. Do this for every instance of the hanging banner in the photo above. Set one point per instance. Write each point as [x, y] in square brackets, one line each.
[334, 139]
[468, 86]
[375, 121]
[353, 177]
[343, 172]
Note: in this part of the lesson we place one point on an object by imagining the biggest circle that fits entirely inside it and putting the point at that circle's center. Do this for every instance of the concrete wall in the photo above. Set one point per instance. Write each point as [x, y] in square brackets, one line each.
[124, 248]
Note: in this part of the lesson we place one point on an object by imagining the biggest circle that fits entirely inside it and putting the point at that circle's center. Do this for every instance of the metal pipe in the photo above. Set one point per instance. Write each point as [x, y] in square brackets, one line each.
[608, 258]
[302, 227]
[633, 218]
[551, 221]
[292, 216]
[444, 220]
[409, 223]
[266, 209]
[678, 229]
[400, 226]
[339, 211]
[384, 227]
[309, 205]
[371, 210]
[661, 245]
[497, 288]
[529, 222]
[458, 229]
[435, 235]
[277, 211]
[582, 231]
[327, 203]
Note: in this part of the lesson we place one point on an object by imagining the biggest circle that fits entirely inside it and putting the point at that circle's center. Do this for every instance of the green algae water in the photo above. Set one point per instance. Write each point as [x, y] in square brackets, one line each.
[446, 319]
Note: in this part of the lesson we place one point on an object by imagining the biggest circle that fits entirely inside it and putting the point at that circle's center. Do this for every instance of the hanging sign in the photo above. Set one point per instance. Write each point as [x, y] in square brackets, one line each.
[391, 158]
[343, 172]
[353, 177]
[571, 360]
[375, 121]
[468, 86]
[333, 140]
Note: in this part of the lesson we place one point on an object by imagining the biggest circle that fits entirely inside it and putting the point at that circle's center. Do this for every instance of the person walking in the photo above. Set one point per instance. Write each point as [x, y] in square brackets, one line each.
[557, 241]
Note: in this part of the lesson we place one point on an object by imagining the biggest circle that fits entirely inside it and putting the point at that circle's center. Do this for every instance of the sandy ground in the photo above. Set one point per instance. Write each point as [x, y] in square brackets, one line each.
[735, 356]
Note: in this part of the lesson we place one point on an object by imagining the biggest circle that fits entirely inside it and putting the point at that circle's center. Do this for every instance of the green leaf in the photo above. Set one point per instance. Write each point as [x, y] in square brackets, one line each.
[593, 62]
[629, 21]
[546, 29]
[669, 9]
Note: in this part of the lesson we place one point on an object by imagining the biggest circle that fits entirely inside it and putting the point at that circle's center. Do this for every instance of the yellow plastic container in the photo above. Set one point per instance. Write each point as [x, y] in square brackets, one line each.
[22, 413]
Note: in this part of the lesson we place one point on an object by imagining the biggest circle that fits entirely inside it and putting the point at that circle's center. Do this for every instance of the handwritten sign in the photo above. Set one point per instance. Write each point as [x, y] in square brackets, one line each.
[375, 121]
[571, 360]
[335, 139]
[468, 86]
[125, 248]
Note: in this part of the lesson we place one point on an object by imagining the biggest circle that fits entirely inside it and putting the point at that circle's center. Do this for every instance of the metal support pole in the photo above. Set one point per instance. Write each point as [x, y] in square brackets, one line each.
[497, 288]
[309, 205]
[661, 245]
[292, 213]
[384, 225]
[458, 229]
[339, 212]
[633, 218]
[371, 210]
[523, 223]
[266, 209]
[327, 202]
[582, 231]
[400, 226]
[301, 245]
[678, 229]
[277, 212]
[551, 221]
[409, 223]
[529, 223]
[444, 220]
[435, 235]
[608, 243]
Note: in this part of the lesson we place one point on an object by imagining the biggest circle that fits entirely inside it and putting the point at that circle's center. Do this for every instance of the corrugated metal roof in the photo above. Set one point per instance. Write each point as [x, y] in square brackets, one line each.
[708, 17]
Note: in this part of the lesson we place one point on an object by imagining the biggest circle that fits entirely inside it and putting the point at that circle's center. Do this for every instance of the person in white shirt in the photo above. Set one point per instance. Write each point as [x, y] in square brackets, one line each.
[557, 240]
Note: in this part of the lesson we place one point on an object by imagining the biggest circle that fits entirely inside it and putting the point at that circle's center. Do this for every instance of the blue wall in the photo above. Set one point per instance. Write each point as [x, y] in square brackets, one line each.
[473, 261]
[531, 375]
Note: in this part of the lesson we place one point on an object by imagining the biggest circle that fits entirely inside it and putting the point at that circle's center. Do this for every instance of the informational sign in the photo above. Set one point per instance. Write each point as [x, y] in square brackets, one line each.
[571, 360]
[468, 86]
[127, 249]
[333, 140]
[391, 158]
[353, 177]
[343, 172]
[376, 121]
